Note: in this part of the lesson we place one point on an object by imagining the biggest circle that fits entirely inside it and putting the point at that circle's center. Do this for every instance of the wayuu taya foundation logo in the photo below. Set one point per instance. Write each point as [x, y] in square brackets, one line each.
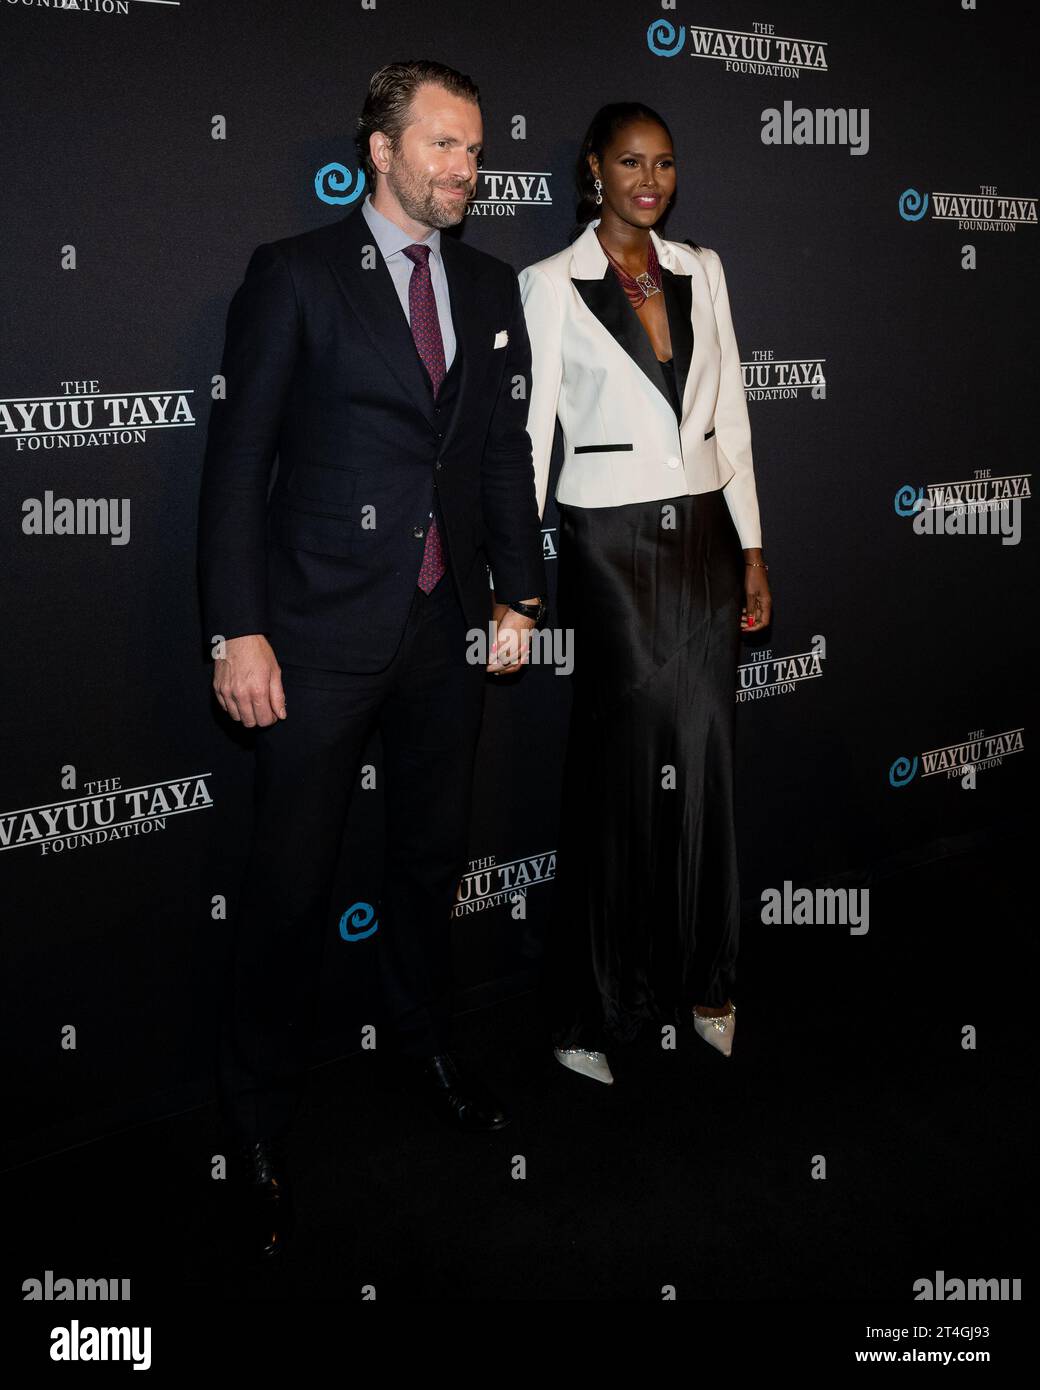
[359, 922]
[985, 211]
[488, 884]
[982, 505]
[500, 192]
[759, 51]
[960, 762]
[104, 811]
[771, 378]
[766, 675]
[108, 8]
[339, 185]
[84, 417]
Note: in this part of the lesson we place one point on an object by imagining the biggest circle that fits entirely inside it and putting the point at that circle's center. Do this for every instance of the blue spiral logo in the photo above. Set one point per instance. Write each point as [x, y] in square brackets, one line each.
[907, 500]
[660, 38]
[903, 770]
[358, 915]
[335, 183]
[912, 205]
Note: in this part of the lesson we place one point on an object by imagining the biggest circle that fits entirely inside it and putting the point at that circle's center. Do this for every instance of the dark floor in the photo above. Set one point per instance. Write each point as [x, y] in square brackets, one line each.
[692, 1170]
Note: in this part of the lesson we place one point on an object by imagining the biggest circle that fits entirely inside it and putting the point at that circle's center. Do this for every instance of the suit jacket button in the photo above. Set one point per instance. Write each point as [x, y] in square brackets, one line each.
[418, 533]
[438, 465]
[672, 461]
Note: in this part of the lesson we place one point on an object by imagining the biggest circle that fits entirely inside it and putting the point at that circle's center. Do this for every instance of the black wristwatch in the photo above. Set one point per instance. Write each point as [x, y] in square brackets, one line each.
[537, 611]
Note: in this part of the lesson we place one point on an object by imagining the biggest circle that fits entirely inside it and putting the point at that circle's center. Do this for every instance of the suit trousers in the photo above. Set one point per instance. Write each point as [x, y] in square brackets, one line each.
[428, 705]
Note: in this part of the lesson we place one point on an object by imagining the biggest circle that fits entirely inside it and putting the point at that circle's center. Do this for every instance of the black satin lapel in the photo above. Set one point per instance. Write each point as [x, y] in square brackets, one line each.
[608, 301]
[678, 301]
[372, 296]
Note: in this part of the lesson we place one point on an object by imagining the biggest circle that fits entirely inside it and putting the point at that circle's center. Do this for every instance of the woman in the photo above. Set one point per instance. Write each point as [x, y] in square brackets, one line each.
[660, 569]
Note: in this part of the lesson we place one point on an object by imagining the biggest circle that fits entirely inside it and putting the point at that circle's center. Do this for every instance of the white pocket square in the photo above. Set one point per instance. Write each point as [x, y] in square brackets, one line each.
[501, 338]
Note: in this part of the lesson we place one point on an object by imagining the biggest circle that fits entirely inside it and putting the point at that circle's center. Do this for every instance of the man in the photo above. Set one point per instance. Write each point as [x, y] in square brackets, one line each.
[380, 360]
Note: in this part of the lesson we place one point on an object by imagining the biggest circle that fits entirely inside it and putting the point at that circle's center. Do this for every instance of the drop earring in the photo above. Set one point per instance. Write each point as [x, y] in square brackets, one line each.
[599, 191]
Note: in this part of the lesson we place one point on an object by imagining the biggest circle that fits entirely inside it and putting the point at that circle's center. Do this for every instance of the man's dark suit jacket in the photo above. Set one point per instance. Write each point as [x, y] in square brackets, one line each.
[321, 370]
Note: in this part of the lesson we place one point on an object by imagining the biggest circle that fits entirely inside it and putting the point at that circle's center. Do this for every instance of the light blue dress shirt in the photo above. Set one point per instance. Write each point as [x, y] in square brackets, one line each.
[391, 240]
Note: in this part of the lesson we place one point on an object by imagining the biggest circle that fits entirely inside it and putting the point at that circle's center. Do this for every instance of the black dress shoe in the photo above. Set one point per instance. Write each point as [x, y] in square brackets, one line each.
[265, 1204]
[461, 1102]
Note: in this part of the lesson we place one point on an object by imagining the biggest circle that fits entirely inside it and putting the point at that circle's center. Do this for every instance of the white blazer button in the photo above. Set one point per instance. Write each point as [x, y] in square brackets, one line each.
[672, 461]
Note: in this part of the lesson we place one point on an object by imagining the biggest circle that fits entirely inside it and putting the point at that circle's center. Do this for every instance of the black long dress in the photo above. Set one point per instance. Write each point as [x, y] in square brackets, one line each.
[647, 897]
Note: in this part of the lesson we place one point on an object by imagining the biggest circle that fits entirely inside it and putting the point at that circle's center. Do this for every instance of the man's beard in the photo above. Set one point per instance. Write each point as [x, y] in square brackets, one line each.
[419, 199]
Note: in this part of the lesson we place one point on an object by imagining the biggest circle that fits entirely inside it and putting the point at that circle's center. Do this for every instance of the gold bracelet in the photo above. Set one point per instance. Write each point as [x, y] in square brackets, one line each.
[755, 565]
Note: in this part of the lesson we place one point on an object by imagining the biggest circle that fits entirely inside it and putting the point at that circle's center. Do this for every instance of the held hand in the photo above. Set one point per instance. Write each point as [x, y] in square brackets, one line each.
[248, 682]
[510, 649]
[757, 612]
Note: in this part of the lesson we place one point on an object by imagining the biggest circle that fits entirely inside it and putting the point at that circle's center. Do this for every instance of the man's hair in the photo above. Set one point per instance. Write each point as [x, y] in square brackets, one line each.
[388, 105]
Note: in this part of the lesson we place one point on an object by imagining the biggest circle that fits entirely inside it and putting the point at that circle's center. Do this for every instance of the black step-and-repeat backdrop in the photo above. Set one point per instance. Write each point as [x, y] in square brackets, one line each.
[867, 175]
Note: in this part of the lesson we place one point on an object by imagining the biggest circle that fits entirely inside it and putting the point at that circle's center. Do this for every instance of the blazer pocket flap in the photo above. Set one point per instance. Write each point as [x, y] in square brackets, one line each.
[321, 487]
[710, 432]
[601, 448]
[320, 532]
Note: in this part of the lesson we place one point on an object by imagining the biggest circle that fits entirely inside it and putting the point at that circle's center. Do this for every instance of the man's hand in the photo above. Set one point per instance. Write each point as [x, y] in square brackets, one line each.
[510, 649]
[248, 682]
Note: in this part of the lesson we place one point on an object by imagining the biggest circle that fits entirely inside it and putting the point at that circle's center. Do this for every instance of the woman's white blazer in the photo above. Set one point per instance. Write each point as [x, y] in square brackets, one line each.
[594, 369]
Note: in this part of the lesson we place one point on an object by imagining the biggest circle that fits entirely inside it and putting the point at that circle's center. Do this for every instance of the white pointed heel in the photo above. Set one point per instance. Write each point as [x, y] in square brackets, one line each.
[717, 1029]
[581, 1059]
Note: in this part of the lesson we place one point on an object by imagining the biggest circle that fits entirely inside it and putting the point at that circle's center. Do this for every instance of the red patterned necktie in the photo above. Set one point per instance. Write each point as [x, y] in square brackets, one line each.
[426, 330]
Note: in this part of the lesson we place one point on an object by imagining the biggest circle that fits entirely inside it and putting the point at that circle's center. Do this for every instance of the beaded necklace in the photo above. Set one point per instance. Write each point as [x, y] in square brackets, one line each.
[639, 288]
